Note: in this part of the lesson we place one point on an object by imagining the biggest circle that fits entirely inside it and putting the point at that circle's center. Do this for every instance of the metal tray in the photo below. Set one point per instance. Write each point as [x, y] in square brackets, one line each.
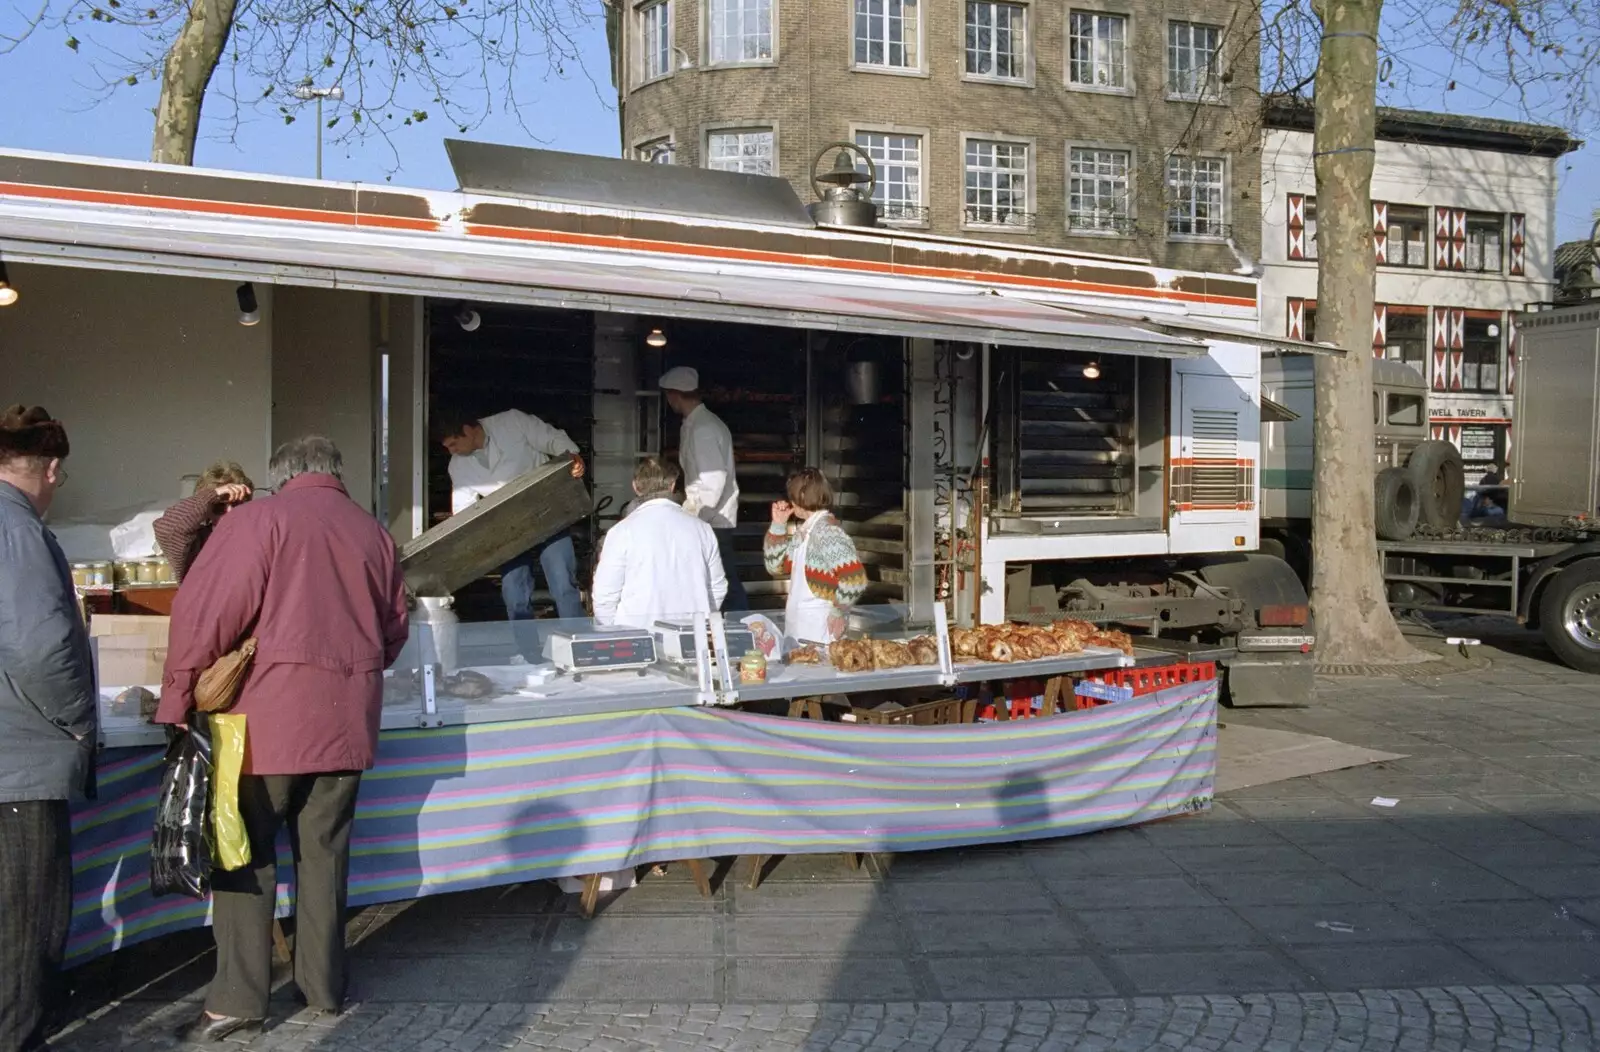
[525, 511]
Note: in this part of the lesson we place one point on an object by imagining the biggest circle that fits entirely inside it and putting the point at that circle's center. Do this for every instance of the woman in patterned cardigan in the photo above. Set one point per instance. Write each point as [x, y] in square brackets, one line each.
[806, 543]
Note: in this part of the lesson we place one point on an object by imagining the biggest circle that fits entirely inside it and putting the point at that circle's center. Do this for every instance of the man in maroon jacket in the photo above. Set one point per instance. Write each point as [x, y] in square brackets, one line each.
[316, 581]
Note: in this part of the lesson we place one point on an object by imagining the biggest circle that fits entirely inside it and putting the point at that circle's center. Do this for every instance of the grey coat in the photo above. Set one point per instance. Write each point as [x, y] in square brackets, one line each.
[48, 709]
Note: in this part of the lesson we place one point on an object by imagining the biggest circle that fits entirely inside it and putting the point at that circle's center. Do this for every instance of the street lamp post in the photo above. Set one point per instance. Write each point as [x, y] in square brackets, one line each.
[305, 91]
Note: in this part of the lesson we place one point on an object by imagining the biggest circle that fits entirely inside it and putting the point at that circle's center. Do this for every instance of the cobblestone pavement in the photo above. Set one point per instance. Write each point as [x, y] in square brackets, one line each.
[1296, 915]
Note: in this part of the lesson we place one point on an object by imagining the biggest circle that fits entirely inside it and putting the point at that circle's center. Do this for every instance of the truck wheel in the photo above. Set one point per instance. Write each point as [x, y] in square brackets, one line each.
[1395, 511]
[1569, 615]
[1435, 468]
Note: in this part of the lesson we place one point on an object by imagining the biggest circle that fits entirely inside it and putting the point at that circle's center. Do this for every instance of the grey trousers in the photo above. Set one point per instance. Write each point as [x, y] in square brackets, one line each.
[318, 809]
[35, 912]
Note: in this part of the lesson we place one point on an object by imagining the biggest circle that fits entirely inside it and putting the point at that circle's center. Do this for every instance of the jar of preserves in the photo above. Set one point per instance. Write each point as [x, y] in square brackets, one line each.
[80, 575]
[164, 574]
[100, 575]
[149, 572]
[753, 668]
[123, 574]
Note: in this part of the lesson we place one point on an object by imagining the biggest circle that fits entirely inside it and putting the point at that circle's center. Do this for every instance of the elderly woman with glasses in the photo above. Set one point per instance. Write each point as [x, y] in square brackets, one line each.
[183, 529]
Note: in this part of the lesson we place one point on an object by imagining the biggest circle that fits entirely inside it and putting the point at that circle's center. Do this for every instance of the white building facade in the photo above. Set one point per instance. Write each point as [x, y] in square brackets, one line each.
[1463, 218]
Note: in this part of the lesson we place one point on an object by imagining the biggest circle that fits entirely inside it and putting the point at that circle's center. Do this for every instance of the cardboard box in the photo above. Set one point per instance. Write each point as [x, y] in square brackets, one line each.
[132, 649]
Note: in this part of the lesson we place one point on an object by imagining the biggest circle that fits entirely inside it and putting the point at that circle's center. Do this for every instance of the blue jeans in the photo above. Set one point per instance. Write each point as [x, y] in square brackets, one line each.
[737, 602]
[559, 562]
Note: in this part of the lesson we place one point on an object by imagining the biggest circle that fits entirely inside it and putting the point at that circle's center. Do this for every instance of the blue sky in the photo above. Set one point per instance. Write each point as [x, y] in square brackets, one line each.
[52, 105]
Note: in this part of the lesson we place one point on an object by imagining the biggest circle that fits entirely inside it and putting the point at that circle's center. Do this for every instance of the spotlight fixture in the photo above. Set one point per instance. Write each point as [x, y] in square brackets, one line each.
[1092, 371]
[657, 338]
[8, 295]
[249, 310]
[467, 318]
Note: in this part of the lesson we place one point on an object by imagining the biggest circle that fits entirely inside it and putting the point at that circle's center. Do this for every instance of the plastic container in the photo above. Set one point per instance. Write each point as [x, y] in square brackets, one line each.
[753, 668]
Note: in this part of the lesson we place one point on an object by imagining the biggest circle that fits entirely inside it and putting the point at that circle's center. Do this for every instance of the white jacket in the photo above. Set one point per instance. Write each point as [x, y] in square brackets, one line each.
[659, 563]
[514, 444]
[705, 449]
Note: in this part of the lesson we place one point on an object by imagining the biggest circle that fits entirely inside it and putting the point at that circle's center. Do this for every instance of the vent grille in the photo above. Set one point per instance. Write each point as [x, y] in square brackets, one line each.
[1213, 476]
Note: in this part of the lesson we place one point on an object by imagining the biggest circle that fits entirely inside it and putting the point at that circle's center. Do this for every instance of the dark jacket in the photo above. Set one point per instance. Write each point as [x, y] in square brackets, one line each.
[49, 714]
[316, 580]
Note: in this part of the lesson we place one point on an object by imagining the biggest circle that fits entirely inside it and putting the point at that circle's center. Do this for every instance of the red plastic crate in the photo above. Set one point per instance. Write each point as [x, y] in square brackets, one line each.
[1144, 681]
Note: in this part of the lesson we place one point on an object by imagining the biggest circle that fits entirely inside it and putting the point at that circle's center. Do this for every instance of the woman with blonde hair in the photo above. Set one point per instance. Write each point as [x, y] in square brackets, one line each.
[183, 528]
[806, 543]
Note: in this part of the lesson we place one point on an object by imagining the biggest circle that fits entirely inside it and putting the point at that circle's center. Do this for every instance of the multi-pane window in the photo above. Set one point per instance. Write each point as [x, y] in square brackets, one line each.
[655, 40]
[747, 150]
[1098, 192]
[997, 40]
[1407, 236]
[1406, 337]
[1196, 189]
[1484, 244]
[997, 183]
[1097, 50]
[739, 30]
[898, 159]
[1193, 60]
[886, 33]
[1480, 360]
[656, 151]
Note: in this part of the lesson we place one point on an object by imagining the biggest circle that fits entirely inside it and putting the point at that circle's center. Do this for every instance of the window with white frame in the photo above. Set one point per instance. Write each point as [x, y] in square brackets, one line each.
[1194, 60]
[997, 40]
[739, 30]
[1196, 193]
[997, 183]
[747, 150]
[655, 40]
[886, 34]
[1099, 191]
[655, 151]
[898, 159]
[1097, 50]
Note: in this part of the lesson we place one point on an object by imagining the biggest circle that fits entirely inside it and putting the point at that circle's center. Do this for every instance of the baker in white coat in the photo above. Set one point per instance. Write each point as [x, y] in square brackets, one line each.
[659, 563]
[710, 490]
[485, 454]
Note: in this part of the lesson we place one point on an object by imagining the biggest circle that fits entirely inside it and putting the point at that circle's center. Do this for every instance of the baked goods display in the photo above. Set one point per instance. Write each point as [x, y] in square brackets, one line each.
[804, 655]
[866, 655]
[1012, 642]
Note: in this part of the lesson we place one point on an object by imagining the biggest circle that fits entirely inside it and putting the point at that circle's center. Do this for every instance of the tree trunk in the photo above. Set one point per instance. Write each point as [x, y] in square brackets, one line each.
[187, 71]
[1354, 624]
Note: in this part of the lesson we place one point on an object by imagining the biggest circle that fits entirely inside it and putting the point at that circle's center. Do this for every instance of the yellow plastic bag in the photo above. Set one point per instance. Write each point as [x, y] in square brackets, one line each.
[227, 759]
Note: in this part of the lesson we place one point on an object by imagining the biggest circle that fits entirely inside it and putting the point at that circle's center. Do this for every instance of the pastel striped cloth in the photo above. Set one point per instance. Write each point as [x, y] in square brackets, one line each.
[458, 808]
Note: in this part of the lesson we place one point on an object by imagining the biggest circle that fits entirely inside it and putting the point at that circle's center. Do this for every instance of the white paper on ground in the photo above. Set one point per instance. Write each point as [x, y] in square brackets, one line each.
[1385, 801]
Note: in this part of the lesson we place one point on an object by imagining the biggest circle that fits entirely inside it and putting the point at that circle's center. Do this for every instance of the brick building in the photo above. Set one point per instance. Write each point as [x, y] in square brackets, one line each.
[1126, 127]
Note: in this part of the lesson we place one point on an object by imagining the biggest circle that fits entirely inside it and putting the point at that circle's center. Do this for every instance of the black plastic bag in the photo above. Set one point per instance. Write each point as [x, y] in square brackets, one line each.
[181, 849]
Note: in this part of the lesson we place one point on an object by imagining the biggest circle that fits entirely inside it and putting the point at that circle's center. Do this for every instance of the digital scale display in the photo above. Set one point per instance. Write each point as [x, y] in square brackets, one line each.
[609, 653]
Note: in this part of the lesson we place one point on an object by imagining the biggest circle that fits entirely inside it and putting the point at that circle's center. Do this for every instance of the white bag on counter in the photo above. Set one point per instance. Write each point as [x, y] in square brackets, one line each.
[136, 538]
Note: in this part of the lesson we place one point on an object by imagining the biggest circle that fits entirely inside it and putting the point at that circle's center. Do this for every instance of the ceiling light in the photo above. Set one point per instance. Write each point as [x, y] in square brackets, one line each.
[657, 338]
[1092, 371]
[467, 318]
[8, 295]
[249, 310]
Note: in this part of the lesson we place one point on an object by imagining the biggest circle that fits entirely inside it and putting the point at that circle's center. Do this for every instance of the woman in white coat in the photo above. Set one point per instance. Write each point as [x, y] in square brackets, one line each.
[659, 563]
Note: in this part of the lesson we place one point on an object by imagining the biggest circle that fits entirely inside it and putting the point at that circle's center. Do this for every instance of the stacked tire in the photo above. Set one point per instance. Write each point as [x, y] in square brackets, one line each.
[1426, 492]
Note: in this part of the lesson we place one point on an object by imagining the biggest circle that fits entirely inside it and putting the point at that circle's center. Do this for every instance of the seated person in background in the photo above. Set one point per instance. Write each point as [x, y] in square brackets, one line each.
[183, 528]
[660, 562]
[825, 573]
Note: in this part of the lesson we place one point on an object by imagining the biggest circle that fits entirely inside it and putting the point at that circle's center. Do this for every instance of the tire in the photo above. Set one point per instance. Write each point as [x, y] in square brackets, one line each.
[1435, 468]
[1569, 615]
[1396, 508]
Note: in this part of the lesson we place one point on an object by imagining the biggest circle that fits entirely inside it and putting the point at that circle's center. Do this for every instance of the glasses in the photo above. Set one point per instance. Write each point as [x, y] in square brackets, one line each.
[61, 477]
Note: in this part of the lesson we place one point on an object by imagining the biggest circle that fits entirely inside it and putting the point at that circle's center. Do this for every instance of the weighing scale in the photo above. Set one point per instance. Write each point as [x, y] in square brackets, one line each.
[675, 640]
[601, 650]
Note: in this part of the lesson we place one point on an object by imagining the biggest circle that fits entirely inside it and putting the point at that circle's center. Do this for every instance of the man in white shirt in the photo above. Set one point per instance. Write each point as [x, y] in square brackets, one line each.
[487, 453]
[658, 563]
[710, 490]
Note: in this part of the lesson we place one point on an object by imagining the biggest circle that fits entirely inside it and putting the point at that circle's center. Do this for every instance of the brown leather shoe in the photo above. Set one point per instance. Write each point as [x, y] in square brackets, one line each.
[208, 1029]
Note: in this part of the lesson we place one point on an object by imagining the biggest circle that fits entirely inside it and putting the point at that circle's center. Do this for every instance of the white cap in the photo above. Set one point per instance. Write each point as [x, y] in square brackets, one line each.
[681, 378]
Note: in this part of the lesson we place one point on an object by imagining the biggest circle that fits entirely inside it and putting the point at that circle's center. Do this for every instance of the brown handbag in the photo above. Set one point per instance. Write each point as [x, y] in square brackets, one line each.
[219, 685]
